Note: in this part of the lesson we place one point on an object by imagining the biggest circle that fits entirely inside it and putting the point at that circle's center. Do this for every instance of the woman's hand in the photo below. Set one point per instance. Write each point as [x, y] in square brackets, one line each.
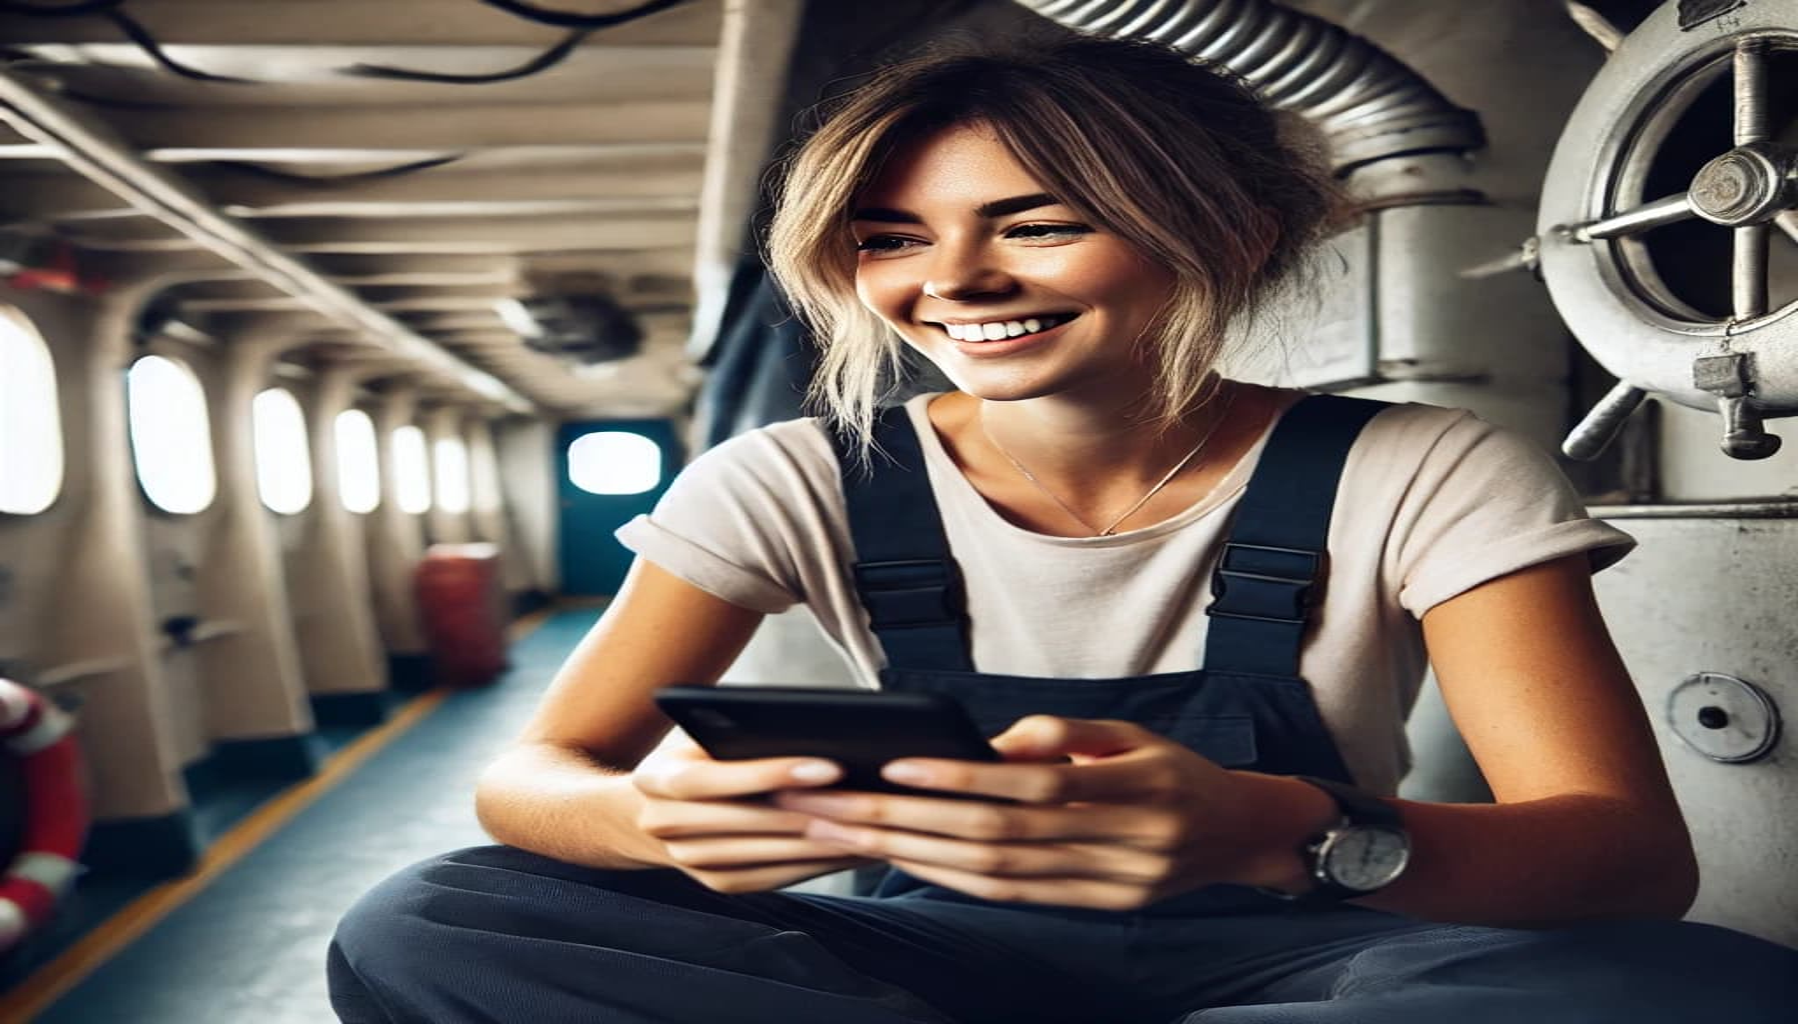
[712, 824]
[1123, 819]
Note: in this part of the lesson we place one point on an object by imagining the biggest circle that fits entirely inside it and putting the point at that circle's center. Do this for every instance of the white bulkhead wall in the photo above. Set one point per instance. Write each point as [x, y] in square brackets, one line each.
[245, 649]
[332, 595]
[445, 525]
[79, 616]
[524, 447]
[395, 538]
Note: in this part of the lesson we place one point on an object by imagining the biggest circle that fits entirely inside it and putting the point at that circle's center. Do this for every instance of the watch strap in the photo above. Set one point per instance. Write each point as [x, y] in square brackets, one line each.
[1358, 808]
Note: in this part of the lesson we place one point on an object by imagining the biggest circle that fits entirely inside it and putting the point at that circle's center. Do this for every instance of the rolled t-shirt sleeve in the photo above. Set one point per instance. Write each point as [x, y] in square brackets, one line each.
[1486, 502]
[723, 527]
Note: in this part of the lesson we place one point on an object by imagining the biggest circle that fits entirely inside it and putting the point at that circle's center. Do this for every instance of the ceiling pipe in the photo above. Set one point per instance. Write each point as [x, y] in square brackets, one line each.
[754, 52]
[1370, 106]
[100, 157]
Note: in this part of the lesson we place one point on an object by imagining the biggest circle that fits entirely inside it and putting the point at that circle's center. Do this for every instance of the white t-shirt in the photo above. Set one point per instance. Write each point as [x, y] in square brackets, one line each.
[1432, 503]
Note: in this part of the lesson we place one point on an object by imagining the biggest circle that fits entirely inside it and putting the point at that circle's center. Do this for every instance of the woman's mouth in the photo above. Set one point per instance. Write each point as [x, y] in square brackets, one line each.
[1005, 330]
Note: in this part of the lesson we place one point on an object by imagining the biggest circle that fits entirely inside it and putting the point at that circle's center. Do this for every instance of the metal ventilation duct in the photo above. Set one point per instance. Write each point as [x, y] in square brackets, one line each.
[1369, 105]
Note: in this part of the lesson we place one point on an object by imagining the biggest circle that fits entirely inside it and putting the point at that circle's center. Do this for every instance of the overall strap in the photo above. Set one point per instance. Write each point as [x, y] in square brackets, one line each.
[1275, 560]
[909, 585]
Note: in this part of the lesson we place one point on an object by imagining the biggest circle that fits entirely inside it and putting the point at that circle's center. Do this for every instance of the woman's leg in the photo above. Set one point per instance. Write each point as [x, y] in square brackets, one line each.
[496, 934]
[1639, 972]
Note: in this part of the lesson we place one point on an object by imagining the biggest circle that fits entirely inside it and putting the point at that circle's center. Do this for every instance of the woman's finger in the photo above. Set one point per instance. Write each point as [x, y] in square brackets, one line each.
[982, 819]
[1141, 775]
[716, 852]
[1042, 737]
[678, 778]
[1008, 860]
[675, 819]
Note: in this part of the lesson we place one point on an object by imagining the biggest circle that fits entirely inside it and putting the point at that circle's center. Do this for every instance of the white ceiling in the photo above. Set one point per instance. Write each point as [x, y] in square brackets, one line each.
[587, 174]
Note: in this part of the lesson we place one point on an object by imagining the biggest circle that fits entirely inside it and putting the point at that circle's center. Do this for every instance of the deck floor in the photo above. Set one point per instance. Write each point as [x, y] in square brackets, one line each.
[251, 945]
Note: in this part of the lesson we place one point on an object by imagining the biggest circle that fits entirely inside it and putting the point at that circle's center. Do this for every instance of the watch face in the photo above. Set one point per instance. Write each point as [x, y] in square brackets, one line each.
[1365, 857]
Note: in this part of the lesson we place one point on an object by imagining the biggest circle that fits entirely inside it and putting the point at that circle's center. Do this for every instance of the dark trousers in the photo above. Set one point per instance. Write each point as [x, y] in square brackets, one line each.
[496, 934]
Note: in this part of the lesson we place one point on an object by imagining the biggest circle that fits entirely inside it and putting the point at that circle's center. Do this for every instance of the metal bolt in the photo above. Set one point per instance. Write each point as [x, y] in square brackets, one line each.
[1713, 717]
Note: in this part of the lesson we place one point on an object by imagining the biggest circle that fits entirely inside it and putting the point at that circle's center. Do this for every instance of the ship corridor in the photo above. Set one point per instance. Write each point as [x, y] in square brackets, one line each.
[244, 938]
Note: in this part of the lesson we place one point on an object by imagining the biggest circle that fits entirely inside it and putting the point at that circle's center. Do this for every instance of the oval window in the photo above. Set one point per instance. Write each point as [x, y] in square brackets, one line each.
[451, 473]
[614, 462]
[31, 460]
[171, 436]
[358, 461]
[283, 456]
[411, 470]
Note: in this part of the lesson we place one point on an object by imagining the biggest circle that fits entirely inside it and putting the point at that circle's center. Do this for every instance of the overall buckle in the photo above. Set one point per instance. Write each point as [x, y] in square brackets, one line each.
[909, 593]
[1265, 583]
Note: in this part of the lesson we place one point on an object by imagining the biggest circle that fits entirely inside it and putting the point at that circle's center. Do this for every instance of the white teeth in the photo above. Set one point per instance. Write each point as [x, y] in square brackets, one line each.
[998, 330]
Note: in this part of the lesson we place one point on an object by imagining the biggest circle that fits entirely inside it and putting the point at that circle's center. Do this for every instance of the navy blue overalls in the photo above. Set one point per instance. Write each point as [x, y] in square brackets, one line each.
[498, 934]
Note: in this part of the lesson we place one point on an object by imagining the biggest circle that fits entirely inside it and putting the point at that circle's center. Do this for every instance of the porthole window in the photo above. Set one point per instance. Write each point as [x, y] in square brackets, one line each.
[171, 437]
[451, 473]
[412, 472]
[30, 420]
[614, 462]
[283, 456]
[358, 462]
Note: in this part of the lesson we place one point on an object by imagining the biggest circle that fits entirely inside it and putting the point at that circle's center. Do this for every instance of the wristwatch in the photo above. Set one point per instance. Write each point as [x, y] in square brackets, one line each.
[1363, 853]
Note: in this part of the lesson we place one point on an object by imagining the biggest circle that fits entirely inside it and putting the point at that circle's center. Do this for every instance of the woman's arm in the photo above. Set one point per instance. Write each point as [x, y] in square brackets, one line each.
[571, 787]
[1584, 825]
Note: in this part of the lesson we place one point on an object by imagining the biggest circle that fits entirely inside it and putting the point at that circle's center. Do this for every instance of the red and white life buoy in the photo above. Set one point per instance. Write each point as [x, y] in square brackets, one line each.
[38, 734]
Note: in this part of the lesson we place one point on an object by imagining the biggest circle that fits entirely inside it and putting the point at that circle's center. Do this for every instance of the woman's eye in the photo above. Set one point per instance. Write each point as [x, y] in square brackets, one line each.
[1048, 231]
[883, 243]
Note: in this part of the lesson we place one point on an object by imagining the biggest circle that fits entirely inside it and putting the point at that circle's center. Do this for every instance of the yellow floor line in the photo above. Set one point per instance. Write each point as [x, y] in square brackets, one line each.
[49, 982]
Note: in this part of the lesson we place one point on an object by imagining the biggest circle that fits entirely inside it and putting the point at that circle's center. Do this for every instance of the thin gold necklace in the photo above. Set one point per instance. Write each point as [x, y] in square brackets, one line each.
[1140, 502]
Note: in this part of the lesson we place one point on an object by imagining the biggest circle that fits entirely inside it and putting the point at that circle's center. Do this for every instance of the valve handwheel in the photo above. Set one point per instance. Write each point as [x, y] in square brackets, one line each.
[1596, 256]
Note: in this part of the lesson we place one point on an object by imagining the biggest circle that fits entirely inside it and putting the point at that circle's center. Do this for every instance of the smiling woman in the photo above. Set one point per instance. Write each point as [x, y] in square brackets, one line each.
[1193, 817]
[1097, 145]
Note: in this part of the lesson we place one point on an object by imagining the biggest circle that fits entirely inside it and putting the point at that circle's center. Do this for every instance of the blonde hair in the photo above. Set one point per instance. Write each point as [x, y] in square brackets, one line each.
[1177, 158]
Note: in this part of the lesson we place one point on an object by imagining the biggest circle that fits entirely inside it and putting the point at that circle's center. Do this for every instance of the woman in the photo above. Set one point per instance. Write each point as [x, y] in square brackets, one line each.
[1195, 819]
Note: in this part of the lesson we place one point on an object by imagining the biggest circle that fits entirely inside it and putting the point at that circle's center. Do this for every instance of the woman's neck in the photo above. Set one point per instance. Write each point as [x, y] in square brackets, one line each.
[1072, 469]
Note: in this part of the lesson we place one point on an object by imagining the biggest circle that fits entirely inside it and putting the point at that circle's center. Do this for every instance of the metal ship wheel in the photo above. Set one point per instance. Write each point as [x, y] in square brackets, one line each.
[1666, 232]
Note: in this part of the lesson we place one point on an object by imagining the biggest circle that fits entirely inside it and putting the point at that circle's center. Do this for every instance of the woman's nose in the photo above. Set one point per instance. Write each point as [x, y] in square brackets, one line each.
[960, 276]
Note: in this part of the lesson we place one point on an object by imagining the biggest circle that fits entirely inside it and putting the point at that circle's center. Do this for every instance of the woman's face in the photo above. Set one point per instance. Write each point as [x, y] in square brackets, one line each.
[1010, 293]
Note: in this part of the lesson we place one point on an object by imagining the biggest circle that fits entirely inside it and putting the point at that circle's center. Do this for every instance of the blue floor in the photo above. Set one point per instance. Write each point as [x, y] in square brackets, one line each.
[252, 946]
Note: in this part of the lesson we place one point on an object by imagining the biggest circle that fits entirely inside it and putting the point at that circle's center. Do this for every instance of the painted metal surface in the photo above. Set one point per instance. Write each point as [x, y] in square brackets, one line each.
[1715, 596]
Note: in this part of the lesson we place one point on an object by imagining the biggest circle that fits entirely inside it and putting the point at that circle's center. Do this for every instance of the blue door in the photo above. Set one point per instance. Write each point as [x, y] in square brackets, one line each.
[608, 472]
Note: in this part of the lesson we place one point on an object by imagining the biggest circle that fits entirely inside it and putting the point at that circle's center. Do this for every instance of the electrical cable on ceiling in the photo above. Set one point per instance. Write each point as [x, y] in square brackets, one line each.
[109, 9]
[142, 37]
[327, 180]
[569, 19]
[112, 102]
[59, 10]
[542, 62]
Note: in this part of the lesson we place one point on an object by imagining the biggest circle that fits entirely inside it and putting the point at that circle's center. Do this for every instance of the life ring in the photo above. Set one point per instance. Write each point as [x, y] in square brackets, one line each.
[56, 815]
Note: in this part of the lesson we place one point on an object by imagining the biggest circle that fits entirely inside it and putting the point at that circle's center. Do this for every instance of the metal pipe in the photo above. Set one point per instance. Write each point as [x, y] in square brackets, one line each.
[103, 159]
[1670, 210]
[1751, 91]
[1748, 273]
[1595, 433]
[1370, 106]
